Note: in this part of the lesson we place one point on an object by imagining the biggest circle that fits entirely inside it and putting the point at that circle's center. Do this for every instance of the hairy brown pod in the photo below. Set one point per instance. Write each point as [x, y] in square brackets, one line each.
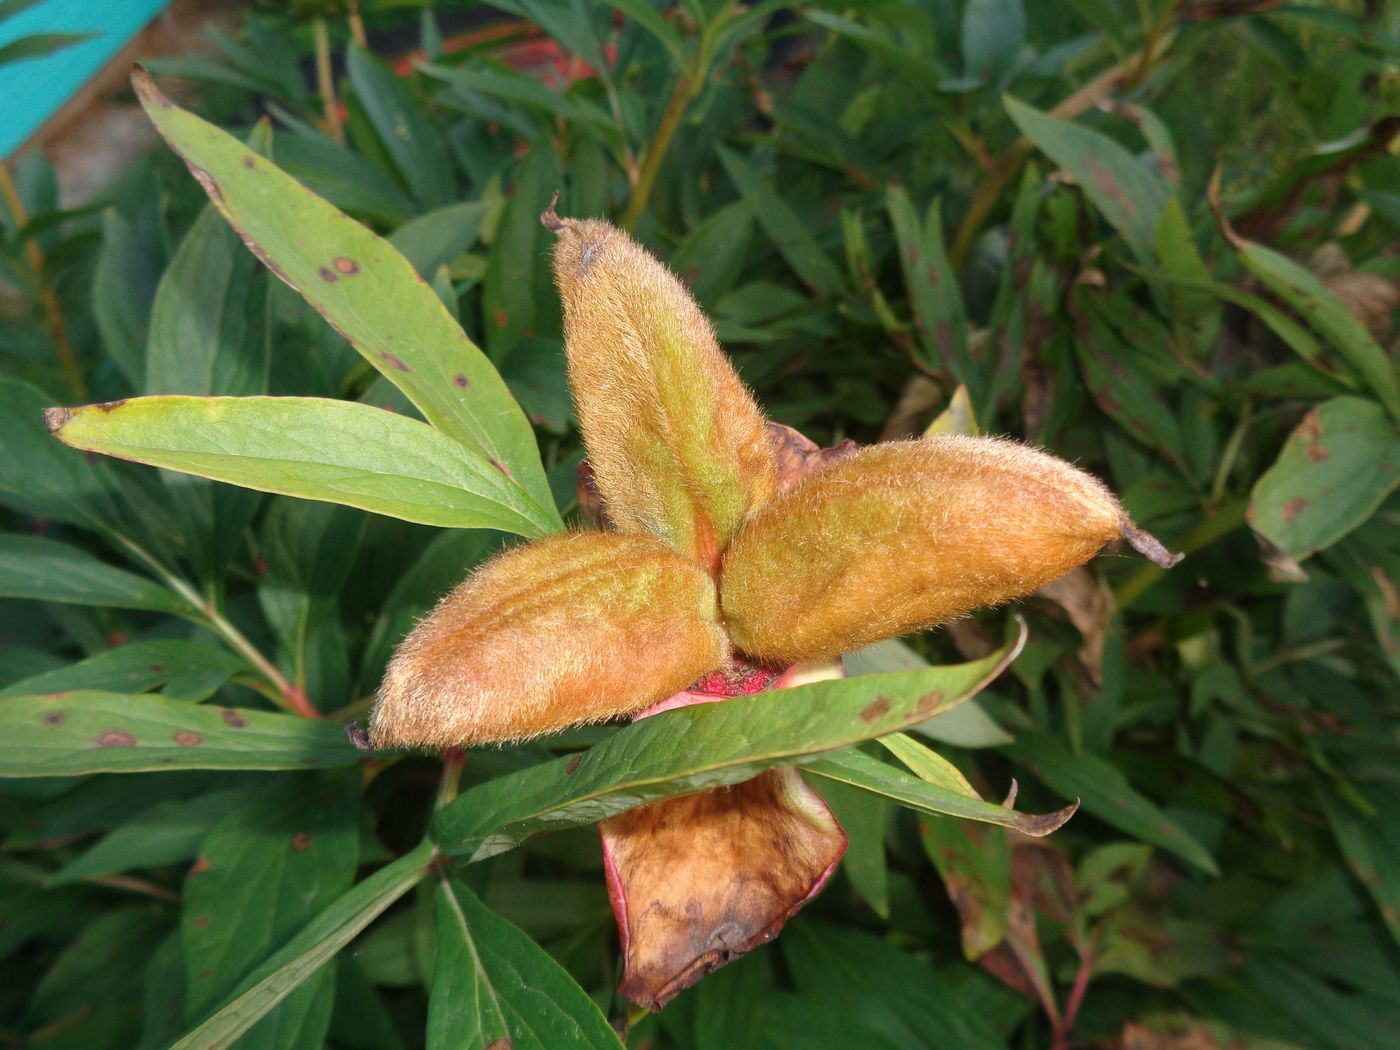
[902, 536]
[576, 628]
[675, 440]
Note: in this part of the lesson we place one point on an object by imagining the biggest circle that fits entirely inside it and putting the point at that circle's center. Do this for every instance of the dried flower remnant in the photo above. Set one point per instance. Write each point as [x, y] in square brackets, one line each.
[736, 551]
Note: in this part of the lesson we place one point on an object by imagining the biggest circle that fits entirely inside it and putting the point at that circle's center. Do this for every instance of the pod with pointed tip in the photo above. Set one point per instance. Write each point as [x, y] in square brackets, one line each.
[907, 535]
[675, 439]
[575, 628]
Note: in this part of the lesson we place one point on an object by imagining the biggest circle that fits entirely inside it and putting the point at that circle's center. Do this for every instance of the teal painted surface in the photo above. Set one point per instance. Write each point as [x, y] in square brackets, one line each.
[32, 90]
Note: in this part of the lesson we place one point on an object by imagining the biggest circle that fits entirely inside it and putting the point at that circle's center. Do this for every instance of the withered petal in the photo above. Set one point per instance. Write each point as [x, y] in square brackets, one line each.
[699, 880]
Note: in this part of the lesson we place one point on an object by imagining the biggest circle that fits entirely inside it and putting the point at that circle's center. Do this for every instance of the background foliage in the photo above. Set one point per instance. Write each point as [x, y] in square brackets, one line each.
[1157, 238]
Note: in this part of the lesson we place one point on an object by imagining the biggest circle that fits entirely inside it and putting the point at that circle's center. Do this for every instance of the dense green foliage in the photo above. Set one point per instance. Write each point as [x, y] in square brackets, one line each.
[1156, 238]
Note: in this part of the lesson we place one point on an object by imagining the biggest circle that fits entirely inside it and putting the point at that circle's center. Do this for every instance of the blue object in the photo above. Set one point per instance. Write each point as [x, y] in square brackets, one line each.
[33, 89]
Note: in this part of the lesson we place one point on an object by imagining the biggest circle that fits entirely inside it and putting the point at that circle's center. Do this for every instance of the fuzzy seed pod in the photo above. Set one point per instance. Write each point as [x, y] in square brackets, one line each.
[575, 628]
[675, 440]
[906, 535]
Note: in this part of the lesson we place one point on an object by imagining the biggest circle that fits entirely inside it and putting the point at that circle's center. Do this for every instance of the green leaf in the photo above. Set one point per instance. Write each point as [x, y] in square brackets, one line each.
[1334, 472]
[38, 45]
[418, 152]
[67, 734]
[49, 571]
[1371, 846]
[936, 302]
[124, 285]
[1107, 794]
[711, 257]
[903, 1001]
[103, 963]
[645, 14]
[862, 816]
[788, 231]
[285, 970]
[335, 451]
[205, 319]
[967, 725]
[1130, 197]
[264, 871]
[976, 871]
[993, 33]
[190, 670]
[1297, 286]
[1125, 391]
[437, 238]
[493, 985]
[858, 769]
[515, 293]
[166, 833]
[927, 764]
[365, 289]
[40, 476]
[699, 747]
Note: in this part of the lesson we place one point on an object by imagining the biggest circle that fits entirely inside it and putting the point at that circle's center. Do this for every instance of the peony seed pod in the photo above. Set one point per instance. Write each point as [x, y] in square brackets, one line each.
[675, 440]
[575, 628]
[905, 535]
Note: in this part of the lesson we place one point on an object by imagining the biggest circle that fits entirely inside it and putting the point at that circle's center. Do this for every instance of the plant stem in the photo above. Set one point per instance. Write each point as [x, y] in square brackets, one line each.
[1221, 522]
[48, 298]
[286, 695]
[357, 25]
[135, 885]
[656, 151]
[1082, 977]
[325, 82]
[452, 762]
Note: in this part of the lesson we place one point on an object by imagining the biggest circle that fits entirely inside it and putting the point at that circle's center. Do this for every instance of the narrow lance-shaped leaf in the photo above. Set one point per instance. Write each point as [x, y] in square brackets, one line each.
[288, 968]
[1107, 794]
[1301, 290]
[494, 986]
[1130, 197]
[936, 302]
[870, 774]
[315, 448]
[190, 670]
[69, 734]
[702, 746]
[363, 287]
[49, 571]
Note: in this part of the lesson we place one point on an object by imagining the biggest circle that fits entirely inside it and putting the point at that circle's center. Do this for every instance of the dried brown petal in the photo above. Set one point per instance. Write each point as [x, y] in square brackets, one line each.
[675, 440]
[698, 880]
[575, 628]
[905, 535]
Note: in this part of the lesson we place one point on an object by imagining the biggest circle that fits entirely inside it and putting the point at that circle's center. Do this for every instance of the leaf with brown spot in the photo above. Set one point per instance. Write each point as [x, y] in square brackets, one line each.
[385, 308]
[724, 743]
[257, 893]
[1336, 468]
[1130, 196]
[116, 732]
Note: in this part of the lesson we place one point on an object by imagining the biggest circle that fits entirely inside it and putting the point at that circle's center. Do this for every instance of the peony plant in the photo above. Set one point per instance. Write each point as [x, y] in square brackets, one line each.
[730, 556]
[736, 558]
